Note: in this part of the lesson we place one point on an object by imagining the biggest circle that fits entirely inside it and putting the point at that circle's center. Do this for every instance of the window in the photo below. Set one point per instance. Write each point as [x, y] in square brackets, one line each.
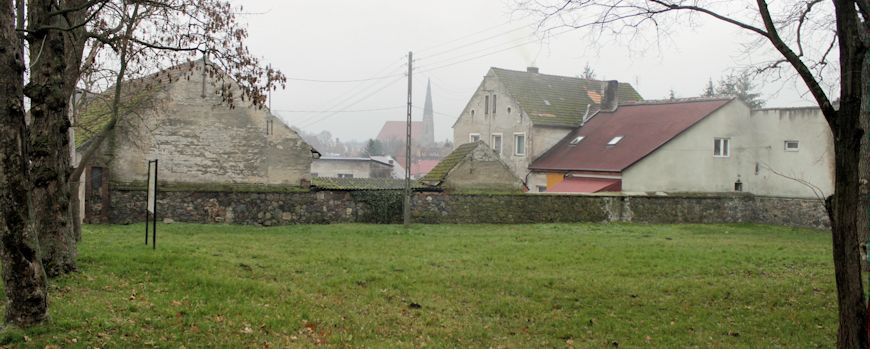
[519, 144]
[576, 140]
[496, 143]
[542, 188]
[473, 137]
[486, 105]
[345, 175]
[615, 140]
[721, 148]
[472, 112]
[509, 110]
[792, 145]
[493, 104]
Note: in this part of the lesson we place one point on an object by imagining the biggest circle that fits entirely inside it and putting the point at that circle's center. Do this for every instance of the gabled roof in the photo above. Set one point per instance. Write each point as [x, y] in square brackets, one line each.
[395, 130]
[644, 126]
[440, 171]
[553, 100]
[361, 184]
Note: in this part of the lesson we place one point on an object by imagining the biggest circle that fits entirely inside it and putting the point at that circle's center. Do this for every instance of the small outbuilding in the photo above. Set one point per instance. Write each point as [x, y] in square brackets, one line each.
[470, 167]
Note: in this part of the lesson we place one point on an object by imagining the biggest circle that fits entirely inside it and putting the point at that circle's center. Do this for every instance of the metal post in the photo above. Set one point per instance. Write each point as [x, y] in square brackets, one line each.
[154, 213]
[407, 204]
[146, 202]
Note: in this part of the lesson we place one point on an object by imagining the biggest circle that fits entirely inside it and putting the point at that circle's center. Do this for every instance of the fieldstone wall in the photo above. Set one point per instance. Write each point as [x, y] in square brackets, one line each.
[281, 208]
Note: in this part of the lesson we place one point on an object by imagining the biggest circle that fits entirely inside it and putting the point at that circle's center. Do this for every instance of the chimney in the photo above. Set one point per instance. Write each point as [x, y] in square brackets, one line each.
[532, 70]
[611, 98]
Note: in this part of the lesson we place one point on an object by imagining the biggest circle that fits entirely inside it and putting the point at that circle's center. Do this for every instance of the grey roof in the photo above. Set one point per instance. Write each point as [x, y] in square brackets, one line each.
[553, 100]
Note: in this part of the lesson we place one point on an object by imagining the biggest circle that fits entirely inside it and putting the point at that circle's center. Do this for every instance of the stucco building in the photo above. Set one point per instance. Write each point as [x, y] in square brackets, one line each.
[353, 167]
[177, 117]
[693, 145]
[522, 114]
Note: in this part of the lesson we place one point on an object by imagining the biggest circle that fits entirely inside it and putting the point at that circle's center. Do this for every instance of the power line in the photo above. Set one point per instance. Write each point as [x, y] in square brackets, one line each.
[428, 48]
[338, 111]
[312, 123]
[344, 81]
[352, 91]
[426, 69]
[443, 52]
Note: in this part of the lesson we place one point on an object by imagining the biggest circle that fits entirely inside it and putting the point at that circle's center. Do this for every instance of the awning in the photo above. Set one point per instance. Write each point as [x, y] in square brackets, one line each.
[586, 185]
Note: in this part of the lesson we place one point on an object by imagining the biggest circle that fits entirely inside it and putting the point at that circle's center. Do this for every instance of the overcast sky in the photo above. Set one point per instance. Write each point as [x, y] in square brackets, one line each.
[353, 39]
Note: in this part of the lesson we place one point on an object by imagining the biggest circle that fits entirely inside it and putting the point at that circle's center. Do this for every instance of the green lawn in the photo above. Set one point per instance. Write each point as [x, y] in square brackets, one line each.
[477, 286]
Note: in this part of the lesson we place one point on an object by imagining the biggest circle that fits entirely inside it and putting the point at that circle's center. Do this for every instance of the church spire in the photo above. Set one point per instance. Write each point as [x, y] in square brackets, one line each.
[428, 136]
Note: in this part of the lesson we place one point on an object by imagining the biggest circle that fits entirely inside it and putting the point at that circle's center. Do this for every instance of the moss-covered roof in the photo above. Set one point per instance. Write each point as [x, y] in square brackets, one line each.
[439, 172]
[553, 100]
[324, 183]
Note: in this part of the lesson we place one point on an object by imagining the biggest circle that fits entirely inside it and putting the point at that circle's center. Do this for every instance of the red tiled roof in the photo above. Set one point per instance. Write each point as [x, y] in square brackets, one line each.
[422, 167]
[586, 185]
[645, 126]
[395, 130]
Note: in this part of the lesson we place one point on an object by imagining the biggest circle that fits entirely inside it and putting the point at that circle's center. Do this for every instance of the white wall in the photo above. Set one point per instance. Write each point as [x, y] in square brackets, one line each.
[687, 164]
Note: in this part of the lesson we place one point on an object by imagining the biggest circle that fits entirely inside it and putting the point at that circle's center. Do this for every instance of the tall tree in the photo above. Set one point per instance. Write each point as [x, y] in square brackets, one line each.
[803, 34]
[709, 90]
[374, 148]
[141, 37]
[23, 276]
[588, 72]
[742, 86]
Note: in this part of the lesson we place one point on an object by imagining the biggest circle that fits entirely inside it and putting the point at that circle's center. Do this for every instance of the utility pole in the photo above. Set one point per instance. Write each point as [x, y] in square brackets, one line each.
[406, 208]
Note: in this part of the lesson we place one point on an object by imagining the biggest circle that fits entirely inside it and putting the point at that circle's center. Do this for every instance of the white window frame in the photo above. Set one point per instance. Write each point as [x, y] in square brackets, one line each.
[500, 142]
[724, 147]
[615, 140]
[516, 151]
[796, 142]
[471, 137]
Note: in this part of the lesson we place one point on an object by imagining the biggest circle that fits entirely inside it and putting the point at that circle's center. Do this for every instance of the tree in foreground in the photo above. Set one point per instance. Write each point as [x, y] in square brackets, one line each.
[19, 248]
[69, 40]
[817, 41]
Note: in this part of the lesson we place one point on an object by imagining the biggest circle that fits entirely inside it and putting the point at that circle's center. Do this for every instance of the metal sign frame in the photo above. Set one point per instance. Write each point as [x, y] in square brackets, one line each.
[151, 203]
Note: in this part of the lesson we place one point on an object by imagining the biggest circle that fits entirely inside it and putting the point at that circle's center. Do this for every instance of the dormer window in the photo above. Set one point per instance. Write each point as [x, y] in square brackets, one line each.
[614, 140]
[576, 140]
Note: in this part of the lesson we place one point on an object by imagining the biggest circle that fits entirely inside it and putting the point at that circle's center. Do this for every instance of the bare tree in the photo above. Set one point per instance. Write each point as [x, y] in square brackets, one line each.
[19, 248]
[144, 36]
[812, 39]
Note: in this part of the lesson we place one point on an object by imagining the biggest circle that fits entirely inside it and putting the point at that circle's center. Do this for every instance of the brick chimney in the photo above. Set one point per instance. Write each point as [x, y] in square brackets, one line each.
[611, 98]
[532, 70]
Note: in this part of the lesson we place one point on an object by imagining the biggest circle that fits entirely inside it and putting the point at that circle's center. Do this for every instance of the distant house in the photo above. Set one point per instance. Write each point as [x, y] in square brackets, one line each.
[398, 169]
[472, 166]
[421, 167]
[352, 167]
[522, 114]
[422, 132]
[693, 145]
[176, 116]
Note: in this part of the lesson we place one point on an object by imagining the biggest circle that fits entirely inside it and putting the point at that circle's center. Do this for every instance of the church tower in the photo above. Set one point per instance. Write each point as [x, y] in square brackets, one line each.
[427, 136]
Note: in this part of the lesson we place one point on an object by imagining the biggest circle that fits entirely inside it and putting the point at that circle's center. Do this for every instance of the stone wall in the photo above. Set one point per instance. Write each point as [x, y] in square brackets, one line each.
[281, 208]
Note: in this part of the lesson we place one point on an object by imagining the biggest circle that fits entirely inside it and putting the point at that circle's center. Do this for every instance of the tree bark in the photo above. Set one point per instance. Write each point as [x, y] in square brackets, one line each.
[843, 205]
[23, 275]
[49, 139]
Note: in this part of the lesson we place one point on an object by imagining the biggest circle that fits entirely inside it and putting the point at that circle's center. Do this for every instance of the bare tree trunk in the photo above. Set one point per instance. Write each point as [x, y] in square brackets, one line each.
[49, 140]
[23, 276]
[864, 167]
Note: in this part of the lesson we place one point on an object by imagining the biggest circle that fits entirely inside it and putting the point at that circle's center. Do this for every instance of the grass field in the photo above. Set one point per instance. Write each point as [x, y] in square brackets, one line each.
[476, 286]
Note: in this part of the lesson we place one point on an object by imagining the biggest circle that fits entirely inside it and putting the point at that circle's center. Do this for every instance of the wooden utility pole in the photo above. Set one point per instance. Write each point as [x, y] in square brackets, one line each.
[406, 208]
